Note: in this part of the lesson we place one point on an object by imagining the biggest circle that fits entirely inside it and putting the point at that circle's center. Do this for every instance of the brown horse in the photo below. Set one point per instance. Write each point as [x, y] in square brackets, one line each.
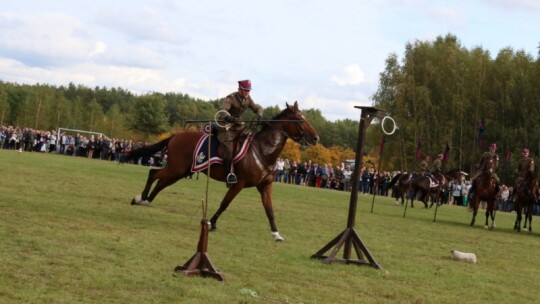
[408, 187]
[526, 195]
[401, 187]
[486, 190]
[255, 169]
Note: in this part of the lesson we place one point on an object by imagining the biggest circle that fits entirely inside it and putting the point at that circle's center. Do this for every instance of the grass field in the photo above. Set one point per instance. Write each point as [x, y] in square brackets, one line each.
[69, 235]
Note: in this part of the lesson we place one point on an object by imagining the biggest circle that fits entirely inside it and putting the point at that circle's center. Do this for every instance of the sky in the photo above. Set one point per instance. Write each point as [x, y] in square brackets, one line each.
[324, 54]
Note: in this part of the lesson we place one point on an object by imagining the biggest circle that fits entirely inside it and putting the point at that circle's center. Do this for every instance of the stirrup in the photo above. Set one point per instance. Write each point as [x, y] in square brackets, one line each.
[231, 178]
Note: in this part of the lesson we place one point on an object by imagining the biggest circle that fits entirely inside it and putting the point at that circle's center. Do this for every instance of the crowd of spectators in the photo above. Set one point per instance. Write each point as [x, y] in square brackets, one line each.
[94, 146]
[327, 176]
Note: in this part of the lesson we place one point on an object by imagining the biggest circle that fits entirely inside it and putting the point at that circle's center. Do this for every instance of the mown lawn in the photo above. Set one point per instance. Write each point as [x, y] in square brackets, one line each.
[69, 235]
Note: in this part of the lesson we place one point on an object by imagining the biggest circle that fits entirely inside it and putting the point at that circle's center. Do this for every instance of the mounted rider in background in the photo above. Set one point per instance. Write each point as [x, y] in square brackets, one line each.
[423, 167]
[481, 167]
[526, 165]
[234, 105]
[437, 168]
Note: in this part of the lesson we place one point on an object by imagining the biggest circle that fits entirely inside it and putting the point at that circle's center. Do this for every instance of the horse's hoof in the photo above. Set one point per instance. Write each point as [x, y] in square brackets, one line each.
[277, 237]
[136, 200]
[486, 226]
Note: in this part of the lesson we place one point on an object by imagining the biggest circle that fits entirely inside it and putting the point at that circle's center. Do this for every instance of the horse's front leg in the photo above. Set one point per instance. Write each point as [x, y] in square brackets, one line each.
[424, 197]
[266, 196]
[229, 196]
[475, 210]
[517, 224]
[529, 218]
[489, 213]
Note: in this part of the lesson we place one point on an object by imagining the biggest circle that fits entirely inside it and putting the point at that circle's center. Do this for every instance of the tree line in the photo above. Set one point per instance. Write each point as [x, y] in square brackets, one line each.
[118, 113]
[444, 94]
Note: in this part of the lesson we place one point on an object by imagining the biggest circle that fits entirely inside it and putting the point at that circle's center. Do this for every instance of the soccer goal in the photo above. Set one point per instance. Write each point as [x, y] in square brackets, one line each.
[61, 131]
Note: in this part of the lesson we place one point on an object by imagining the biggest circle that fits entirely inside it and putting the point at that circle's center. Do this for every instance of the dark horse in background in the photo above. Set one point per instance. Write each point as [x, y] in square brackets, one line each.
[486, 190]
[401, 187]
[407, 186]
[255, 169]
[526, 194]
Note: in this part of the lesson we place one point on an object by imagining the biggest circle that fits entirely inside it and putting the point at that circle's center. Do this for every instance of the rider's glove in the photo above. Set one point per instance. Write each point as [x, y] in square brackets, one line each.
[231, 118]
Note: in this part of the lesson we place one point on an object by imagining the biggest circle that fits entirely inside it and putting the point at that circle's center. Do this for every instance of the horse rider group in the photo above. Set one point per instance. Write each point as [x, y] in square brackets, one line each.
[526, 165]
[234, 105]
[436, 173]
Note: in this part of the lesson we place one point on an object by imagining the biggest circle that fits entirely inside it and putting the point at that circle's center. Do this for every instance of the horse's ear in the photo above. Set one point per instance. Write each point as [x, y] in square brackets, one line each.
[287, 104]
[296, 105]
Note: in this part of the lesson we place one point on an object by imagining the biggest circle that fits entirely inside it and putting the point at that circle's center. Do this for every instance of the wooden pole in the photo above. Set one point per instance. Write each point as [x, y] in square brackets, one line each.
[349, 238]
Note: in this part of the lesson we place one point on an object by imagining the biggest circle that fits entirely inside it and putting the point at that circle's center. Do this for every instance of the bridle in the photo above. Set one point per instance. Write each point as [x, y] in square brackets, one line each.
[301, 138]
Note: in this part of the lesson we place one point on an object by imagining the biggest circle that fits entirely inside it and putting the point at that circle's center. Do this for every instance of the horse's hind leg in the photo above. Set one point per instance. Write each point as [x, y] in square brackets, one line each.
[165, 178]
[529, 218]
[229, 196]
[149, 181]
[162, 184]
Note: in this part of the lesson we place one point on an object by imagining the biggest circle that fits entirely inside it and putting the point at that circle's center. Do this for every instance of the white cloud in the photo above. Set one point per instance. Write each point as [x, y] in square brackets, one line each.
[352, 75]
[525, 5]
[99, 48]
[334, 109]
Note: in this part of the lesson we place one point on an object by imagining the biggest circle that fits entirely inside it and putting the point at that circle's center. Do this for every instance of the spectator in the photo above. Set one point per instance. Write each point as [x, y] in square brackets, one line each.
[503, 202]
[347, 173]
[286, 171]
[457, 193]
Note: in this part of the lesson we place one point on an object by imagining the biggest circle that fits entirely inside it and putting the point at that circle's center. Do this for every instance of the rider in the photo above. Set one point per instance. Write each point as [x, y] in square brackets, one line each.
[525, 165]
[234, 105]
[437, 168]
[423, 168]
[481, 167]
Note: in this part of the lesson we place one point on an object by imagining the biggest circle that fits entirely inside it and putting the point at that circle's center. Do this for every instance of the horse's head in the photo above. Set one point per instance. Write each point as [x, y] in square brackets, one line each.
[295, 125]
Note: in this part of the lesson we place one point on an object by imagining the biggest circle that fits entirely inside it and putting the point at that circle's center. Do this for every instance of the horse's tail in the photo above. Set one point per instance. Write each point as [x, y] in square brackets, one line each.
[393, 181]
[146, 150]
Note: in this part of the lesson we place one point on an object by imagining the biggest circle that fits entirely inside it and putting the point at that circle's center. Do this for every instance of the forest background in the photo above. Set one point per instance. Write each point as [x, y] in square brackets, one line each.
[443, 97]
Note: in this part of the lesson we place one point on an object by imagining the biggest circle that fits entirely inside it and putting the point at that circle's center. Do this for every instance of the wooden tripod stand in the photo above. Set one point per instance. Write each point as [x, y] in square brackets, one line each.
[200, 263]
[349, 238]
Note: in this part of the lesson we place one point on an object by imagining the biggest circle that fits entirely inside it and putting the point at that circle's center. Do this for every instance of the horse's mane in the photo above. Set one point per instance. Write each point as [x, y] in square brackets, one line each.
[281, 116]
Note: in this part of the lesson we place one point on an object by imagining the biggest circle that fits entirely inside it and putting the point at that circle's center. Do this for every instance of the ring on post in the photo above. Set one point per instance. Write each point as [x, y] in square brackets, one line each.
[393, 123]
[216, 117]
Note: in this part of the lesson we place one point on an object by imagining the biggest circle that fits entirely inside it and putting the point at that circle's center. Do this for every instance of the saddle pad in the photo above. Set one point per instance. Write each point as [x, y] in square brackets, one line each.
[432, 182]
[200, 154]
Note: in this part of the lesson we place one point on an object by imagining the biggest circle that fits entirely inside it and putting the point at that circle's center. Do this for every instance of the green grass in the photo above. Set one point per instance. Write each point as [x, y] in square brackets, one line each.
[69, 235]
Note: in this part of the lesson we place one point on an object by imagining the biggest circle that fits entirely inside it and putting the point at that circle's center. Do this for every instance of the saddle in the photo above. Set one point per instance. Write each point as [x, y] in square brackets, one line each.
[201, 159]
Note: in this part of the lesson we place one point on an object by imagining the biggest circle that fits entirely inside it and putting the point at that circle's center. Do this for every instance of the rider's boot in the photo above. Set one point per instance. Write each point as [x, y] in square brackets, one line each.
[231, 177]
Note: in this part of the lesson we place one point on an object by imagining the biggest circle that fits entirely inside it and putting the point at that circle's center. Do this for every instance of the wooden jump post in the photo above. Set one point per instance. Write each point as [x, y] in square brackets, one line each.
[200, 263]
[349, 238]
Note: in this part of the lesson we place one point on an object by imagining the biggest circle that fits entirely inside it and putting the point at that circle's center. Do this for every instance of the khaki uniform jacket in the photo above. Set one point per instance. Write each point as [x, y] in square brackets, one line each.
[235, 105]
[437, 166]
[525, 164]
[423, 167]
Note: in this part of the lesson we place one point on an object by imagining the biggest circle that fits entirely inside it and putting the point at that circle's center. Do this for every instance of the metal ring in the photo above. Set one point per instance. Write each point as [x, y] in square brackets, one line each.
[216, 118]
[393, 122]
